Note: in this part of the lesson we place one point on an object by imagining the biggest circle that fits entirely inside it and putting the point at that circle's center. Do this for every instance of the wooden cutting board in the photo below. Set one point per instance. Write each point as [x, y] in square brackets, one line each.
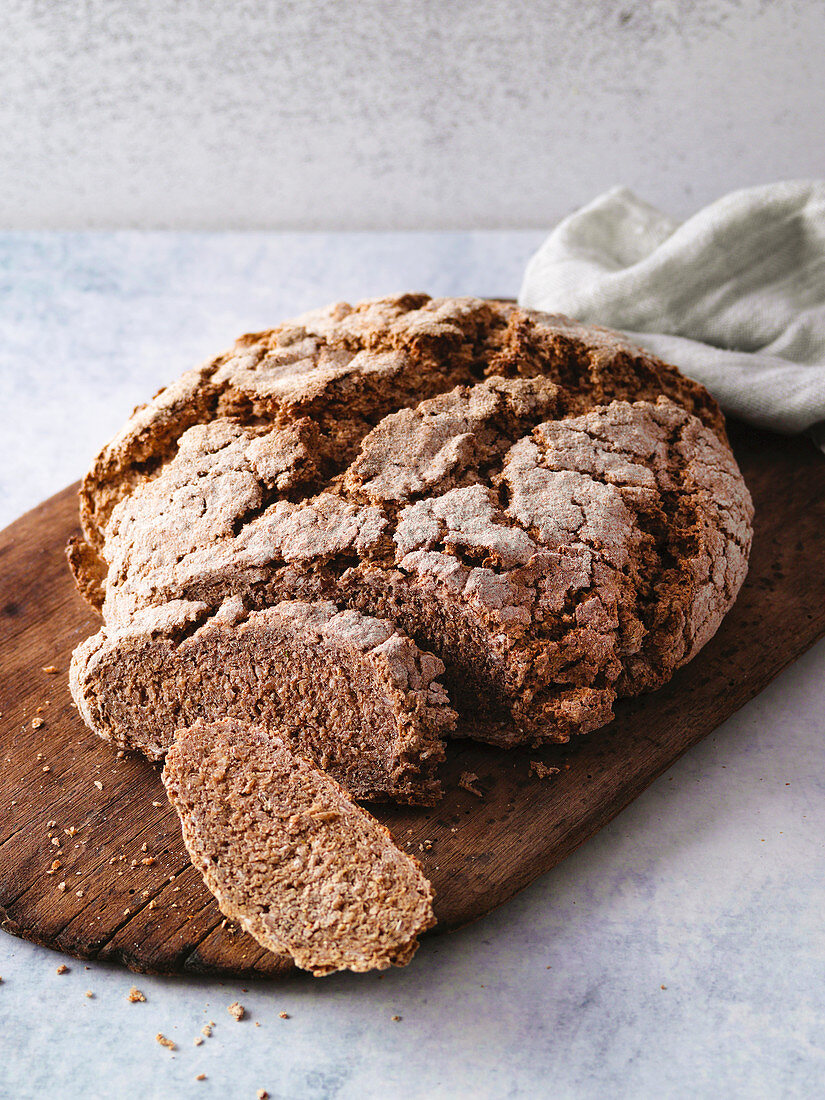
[124, 889]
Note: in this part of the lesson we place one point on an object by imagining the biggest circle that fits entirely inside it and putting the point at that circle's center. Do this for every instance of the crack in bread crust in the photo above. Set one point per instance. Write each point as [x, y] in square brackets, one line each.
[551, 511]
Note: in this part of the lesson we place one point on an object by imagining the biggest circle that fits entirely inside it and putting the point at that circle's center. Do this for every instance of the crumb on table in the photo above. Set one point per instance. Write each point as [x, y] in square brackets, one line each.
[469, 781]
[543, 771]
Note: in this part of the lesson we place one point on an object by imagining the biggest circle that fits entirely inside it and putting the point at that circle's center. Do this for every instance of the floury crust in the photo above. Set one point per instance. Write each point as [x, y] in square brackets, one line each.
[542, 506]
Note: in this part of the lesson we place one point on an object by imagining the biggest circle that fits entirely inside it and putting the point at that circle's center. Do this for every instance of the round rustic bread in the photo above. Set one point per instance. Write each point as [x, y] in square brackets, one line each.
[551, 511]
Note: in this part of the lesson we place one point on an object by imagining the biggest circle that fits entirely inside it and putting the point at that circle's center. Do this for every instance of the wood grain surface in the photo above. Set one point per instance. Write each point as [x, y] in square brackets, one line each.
[122, 887]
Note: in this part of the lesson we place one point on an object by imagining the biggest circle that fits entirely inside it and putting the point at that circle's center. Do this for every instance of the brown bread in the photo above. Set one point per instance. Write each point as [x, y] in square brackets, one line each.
[289, 856]
[347, 690]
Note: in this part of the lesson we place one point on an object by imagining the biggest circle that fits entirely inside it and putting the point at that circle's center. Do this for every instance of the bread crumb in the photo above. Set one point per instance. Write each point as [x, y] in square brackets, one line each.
[157, 803]
[61, 886]
[662, 987]
[99, 785]
[46, 767]
[56, 865]
[397, 1019]
[148, 861]
[207, 1030]
[543, 771]
[236, 1010]
[79, 893]
[262, 1094]
[89, 994]
[62, 969]
[198, 1041]
[37, 723]
[164, 1042]
[469, 781]
[135, 995]
[284, 1015]
[50, 670]
[200, 1077]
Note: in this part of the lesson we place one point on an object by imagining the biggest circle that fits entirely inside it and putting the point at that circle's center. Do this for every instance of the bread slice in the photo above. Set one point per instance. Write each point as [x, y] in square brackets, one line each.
[289, 856]
[347, 690]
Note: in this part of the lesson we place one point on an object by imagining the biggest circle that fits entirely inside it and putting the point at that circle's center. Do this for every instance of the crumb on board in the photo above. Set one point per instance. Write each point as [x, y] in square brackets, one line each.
[469, 781]
[135, 995]
[37, 723]
[236, 1010]
[50, 670]
[543, 771]
[164, 1042]
[99, 785]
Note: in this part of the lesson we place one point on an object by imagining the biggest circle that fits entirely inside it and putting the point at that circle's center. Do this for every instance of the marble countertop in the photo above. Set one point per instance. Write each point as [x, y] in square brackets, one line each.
[679, 953]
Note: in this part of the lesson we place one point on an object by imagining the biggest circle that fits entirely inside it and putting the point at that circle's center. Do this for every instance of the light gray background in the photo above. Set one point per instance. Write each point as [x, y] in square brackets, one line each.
[396, 113]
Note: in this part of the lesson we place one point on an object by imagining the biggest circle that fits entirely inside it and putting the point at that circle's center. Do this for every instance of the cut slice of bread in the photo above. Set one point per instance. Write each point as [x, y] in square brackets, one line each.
[348, 690]
[289, 856]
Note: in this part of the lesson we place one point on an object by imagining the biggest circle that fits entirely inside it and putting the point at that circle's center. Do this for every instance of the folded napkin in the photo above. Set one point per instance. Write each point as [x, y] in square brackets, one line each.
[734, 296]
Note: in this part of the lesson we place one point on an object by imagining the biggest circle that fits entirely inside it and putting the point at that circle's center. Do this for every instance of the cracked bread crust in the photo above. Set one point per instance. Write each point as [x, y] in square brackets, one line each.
[289, 856]
[465, 469]
[343, 368]
[376, 726]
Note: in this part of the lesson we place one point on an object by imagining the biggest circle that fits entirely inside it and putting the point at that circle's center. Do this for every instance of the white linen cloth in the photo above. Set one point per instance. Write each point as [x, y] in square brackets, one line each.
[734, 296]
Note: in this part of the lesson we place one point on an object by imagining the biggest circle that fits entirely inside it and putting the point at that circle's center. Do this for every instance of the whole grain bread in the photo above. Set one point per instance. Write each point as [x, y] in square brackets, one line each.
[289, 856]
[554, 513]
[346, 690]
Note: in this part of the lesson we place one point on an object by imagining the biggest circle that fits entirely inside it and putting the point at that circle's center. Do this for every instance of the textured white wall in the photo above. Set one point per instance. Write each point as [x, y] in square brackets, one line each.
[396, 113]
